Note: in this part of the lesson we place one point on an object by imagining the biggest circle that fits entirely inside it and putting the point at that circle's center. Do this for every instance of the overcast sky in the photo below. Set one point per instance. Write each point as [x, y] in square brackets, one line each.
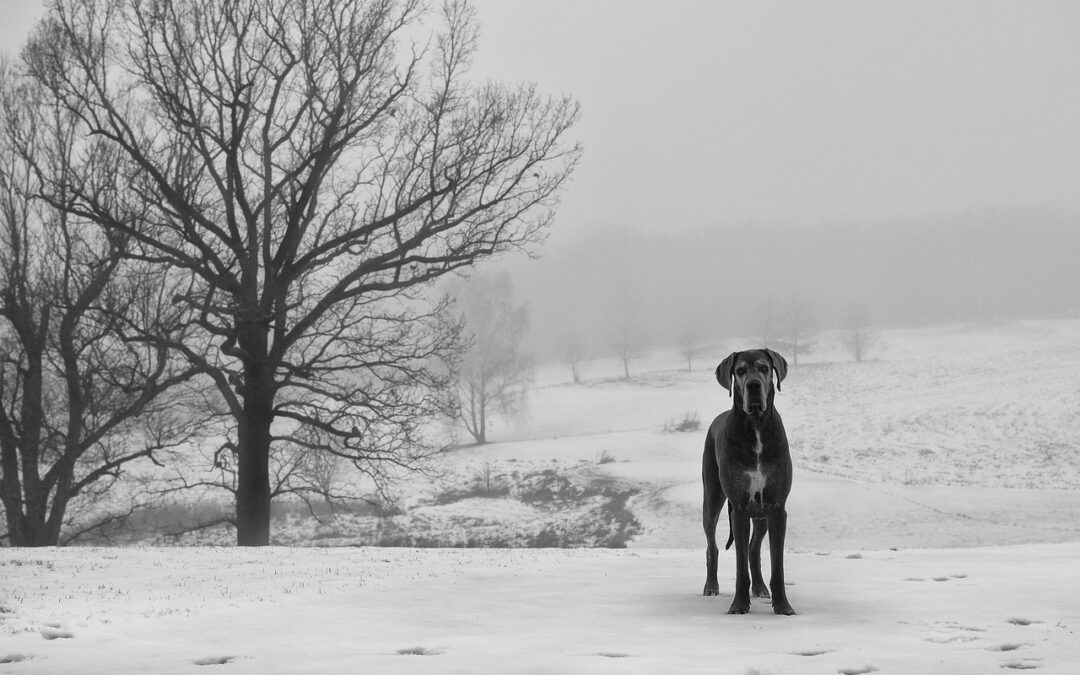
[702, 112]
[18, 17]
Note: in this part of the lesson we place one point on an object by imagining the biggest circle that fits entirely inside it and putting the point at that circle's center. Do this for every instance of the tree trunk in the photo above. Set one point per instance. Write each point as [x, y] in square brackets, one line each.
[26, 498]
[30, 527]
[253, 475]
[481, 428]
[253, 443]
[26, 531]
[10, 489]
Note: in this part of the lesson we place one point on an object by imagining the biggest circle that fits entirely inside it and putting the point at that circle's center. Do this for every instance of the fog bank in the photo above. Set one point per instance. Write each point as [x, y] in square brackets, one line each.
[719, 281]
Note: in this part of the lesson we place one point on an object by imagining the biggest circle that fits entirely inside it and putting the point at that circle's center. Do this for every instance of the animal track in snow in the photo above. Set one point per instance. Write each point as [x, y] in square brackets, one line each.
[857, 671]
[419, 651]
[613, 655]
[811, 652]
[1016, 621]
[1020, 665]
[54, 632]
[15, 658]
[1007, 646]
[214, 660]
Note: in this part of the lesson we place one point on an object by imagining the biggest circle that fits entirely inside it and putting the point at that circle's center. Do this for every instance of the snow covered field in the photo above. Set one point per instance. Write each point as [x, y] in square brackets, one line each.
[934, 527]
[370, 610]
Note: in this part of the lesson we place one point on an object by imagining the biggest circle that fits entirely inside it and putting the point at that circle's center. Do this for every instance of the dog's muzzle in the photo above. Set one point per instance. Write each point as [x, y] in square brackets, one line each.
[754, 399]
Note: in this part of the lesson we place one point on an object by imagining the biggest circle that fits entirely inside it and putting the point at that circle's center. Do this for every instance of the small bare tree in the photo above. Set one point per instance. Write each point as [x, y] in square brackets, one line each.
[859, 333]
[572, 352]
[314, 172]
[690, 346]
[627, 330]
[84, 390]
[495, 372]
[795, 326]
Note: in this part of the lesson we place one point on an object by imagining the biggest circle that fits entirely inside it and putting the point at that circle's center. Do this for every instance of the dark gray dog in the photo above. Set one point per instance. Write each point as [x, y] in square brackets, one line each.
[747, 462]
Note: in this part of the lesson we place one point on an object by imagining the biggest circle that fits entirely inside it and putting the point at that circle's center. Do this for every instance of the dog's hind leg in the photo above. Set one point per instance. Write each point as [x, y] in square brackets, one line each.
[712, 506]
[758, 587]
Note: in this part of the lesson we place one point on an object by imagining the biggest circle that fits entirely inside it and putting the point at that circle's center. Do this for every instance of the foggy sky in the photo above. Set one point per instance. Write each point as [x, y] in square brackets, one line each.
[700, 112]
[919, 158]
[922, 158]
[18, 18]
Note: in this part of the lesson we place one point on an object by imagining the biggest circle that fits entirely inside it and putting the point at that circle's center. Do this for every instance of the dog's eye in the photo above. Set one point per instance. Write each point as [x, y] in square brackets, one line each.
[740, 371]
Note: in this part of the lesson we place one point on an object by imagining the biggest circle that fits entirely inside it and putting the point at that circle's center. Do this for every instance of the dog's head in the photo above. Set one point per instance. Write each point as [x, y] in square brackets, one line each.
[748, 377]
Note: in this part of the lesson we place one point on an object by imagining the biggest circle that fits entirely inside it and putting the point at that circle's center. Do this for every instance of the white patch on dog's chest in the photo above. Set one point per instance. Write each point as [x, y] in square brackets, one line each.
[757, 478]
[757, 481]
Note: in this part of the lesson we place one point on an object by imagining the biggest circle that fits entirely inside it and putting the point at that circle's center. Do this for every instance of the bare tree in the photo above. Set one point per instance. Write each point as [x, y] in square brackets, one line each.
[495, 372]
[572, 352]
[314, 173]
[795, 326]
[627, 330]
[82, 388]
[690, 345]
[859, 333]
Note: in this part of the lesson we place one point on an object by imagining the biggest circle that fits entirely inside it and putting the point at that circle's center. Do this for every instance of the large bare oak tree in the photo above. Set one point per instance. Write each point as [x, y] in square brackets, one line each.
[314, 165]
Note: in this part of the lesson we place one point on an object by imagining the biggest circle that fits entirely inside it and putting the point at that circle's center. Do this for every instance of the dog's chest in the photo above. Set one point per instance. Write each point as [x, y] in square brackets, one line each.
[756, 475]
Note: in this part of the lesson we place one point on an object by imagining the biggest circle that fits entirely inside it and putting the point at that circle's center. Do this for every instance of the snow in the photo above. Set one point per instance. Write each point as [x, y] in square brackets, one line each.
[280, 610]
[933, 528]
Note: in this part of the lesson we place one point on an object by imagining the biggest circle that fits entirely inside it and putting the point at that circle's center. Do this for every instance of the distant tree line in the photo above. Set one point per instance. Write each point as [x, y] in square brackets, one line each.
[976, 266]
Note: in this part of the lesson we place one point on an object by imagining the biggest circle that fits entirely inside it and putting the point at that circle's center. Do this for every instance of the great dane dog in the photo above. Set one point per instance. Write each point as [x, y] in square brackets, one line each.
[747, 462]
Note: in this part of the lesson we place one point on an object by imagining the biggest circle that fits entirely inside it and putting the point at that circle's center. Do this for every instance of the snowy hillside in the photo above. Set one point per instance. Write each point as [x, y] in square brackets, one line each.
[948, 436]
[933, 528]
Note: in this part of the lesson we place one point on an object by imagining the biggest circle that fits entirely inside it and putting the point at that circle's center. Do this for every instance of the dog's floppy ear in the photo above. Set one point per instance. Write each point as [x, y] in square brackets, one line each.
[723, 371]
[779, 364]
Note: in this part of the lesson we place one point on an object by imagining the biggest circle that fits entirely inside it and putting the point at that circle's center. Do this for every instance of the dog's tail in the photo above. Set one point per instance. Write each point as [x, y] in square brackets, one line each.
[730, 529]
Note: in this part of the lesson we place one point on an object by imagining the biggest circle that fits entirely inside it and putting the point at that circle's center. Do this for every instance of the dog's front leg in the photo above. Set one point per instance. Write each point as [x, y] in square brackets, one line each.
[777, 530]
[757, 586]
[740, 527]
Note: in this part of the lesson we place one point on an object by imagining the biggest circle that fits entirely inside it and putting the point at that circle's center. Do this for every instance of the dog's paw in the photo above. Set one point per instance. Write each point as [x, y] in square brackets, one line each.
[739, 607]
[760, 591]
[783, 608]
[711, 588]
